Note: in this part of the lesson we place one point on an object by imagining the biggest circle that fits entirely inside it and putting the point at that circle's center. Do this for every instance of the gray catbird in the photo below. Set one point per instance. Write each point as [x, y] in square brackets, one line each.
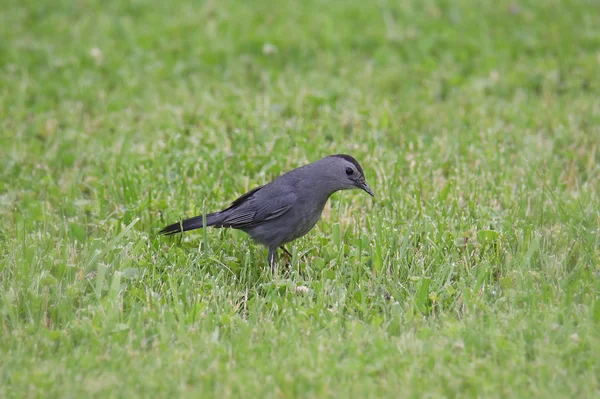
[286, 208]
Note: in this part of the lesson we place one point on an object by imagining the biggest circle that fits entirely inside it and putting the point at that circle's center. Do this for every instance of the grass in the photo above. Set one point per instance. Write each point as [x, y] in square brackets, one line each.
[473, 273]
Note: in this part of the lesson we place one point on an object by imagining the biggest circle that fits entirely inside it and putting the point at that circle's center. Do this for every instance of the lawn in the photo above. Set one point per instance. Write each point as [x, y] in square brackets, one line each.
[474, 272]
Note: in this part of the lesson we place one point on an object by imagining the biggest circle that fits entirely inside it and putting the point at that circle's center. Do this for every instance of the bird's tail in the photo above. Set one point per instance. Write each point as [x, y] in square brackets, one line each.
[212, 219]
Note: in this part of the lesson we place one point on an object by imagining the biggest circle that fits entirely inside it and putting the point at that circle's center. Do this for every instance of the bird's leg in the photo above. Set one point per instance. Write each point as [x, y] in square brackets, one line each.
[286, 251]
[303, 257]
[272, 258]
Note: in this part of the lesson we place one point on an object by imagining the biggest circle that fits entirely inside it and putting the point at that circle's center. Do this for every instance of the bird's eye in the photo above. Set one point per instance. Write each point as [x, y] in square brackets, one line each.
[349, 171]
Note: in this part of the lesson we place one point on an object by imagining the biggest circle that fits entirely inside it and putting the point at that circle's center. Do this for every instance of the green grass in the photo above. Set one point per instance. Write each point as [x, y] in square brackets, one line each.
[475, 272]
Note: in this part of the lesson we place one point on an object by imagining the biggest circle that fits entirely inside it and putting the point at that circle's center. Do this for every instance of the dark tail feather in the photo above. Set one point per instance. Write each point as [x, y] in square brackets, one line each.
[190, 224]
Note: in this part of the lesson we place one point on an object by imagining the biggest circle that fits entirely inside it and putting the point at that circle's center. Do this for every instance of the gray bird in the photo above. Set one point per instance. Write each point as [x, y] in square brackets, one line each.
[286, 208]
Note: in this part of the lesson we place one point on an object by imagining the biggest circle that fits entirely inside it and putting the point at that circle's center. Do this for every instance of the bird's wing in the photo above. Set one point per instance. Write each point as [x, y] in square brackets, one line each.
[243, 198]
[250, 218]
[254, 210]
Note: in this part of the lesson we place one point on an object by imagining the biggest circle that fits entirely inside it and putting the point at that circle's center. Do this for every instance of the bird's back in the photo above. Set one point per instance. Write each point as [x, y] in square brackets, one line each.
[283, 210]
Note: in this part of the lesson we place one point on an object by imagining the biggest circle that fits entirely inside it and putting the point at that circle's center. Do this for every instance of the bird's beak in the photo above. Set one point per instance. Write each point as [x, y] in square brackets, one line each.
[365, 186]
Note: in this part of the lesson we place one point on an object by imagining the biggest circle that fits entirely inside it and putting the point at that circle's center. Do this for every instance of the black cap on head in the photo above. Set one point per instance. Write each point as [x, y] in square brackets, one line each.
[351, 160]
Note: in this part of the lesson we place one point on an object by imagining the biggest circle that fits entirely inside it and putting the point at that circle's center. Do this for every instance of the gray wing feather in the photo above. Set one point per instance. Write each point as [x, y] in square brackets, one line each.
[255, 210]
[238, 219]
[277, 212]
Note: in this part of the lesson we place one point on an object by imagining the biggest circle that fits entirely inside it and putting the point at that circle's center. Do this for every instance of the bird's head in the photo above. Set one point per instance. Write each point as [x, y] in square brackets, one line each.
[345, 173]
